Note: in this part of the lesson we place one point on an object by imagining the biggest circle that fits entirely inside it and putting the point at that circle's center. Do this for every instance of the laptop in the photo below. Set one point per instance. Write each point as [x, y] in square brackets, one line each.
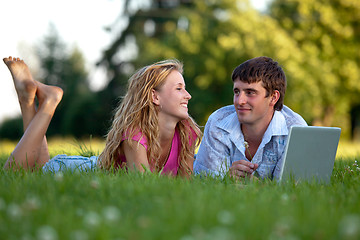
[310, 154]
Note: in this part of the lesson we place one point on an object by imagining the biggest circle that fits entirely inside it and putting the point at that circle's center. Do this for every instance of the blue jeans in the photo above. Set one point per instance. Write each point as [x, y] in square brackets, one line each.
[63, 162]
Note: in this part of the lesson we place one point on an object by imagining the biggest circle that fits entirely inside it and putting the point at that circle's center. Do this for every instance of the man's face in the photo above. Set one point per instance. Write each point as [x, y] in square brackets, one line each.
[251, 104]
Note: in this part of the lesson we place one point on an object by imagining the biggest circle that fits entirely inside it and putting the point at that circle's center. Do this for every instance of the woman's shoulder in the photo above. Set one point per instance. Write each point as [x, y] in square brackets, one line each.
[135, 135]
[185, 128]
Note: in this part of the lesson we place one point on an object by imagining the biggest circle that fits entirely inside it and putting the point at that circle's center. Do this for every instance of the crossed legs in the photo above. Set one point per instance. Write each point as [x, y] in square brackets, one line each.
[32, 150]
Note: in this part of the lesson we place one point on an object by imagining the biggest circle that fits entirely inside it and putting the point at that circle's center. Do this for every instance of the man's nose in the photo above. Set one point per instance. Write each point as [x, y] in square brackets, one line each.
[242, 98]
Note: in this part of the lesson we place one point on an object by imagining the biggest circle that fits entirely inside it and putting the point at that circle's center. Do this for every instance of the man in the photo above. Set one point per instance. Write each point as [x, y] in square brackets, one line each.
[249, 137]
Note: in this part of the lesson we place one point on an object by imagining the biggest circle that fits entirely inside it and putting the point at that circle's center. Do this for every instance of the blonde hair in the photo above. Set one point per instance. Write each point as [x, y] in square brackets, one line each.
[137, 112]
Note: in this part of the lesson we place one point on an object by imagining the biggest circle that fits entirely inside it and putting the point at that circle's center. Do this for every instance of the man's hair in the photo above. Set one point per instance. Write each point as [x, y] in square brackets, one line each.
[267, 71]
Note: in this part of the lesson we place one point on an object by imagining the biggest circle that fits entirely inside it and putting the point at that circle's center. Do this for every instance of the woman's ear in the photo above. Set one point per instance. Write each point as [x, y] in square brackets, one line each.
[155, 97]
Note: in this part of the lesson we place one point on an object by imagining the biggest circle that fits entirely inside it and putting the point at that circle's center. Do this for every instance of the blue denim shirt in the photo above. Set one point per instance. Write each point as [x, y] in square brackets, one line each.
[223, 143]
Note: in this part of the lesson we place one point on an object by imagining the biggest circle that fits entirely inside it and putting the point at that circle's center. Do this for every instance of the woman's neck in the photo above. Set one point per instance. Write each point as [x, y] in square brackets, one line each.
[167, 129]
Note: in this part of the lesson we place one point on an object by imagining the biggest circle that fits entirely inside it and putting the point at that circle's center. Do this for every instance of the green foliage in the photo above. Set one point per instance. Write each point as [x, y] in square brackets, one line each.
[328, 35]
[11, 128]
[211, 38]
[85, 117]
[316, 42]
[75, 114]
[78, 112]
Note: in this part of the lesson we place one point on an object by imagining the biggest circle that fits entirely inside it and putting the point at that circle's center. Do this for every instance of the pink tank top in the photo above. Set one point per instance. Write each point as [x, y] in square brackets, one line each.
[172, 164]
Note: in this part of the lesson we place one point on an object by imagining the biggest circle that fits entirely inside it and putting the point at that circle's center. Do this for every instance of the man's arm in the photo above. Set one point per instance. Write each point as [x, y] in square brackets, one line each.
[213, 157]
[215, 153]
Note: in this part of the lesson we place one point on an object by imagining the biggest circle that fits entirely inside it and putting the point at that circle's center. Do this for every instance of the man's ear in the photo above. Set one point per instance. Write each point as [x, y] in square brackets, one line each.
[275, 97]
[155, 97]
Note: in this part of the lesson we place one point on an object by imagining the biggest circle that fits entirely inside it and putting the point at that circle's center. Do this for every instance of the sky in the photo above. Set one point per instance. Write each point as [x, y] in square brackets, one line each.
[24, 23]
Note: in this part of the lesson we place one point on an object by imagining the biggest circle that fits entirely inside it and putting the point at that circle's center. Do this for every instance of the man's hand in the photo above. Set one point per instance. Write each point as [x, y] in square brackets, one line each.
[242, 168]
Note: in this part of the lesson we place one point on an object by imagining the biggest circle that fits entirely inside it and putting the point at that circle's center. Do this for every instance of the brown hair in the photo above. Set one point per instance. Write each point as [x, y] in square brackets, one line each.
[267, 71]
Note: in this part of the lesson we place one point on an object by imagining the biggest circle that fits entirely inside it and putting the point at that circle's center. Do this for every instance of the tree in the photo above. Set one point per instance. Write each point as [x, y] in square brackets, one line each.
[211, 38]
[66, 70]
[328, 35]
[316, 42]
[81, 112]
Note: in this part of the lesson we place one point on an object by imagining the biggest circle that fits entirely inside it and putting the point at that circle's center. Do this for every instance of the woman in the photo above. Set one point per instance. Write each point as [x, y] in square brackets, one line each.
[151, 128]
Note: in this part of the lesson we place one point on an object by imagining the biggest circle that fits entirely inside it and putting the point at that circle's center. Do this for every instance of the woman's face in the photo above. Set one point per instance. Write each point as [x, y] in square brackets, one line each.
[172, 98]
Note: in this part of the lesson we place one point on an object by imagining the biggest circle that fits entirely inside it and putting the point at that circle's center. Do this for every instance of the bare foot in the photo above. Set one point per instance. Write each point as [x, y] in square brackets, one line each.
[49, 97]
[24, 84]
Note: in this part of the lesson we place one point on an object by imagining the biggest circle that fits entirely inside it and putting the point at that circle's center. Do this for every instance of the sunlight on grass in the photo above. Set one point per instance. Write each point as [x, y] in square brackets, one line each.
[347, 149]
[72, 146]
[6, 147]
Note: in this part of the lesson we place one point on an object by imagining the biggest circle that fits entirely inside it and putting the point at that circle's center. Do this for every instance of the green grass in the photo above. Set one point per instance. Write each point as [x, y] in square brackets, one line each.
[103, 205]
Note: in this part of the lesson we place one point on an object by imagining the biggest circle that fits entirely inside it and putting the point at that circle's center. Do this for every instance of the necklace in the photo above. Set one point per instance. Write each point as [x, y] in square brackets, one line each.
[163, 161]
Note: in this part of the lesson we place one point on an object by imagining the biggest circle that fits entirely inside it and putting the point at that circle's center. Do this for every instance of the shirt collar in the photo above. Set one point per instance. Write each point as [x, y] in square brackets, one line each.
[231, 125]
[277, 127]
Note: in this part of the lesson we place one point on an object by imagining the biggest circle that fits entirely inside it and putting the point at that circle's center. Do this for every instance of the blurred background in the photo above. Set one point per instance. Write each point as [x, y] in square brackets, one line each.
[316, 42]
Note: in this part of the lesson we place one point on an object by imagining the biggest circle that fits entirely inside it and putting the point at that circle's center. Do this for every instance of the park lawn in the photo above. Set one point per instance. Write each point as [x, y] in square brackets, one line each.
[105, 205]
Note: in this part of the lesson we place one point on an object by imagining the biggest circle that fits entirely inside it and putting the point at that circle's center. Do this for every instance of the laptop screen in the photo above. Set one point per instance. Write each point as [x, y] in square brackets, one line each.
[310, 153]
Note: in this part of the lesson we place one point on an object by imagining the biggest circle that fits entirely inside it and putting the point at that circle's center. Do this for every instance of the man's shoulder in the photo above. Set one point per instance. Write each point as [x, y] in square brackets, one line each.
[292, 118]
[222, 113]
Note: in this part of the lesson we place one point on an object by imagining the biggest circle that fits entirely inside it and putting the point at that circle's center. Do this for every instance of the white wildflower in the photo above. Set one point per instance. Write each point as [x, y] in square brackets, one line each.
[79, 235]
[92, 219]
[349, 227]
[111, 213]
[47, 233]
[225, 217]
[59, 176]
[284, 197]
[14, 211]
[94, 183]
[32, 203]
[246, 144]
[221, 233]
